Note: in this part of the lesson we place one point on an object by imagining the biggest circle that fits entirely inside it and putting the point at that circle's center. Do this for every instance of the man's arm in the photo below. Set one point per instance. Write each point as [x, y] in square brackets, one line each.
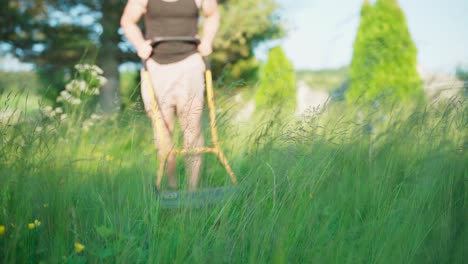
[133, 12]
[210, 26]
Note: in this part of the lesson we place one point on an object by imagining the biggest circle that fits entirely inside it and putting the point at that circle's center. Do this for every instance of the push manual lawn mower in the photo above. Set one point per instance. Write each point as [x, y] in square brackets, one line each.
[204, 196]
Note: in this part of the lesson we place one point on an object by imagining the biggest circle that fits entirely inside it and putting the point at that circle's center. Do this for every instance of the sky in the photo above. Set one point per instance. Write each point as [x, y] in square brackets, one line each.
[322, 32]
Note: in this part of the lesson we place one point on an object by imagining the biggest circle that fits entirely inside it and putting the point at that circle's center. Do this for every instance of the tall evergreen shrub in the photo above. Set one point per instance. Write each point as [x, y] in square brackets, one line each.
[277, 83]
[385, 57]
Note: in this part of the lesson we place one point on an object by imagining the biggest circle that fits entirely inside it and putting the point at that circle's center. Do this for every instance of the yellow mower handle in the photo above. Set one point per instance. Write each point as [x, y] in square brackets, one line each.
[215, 149]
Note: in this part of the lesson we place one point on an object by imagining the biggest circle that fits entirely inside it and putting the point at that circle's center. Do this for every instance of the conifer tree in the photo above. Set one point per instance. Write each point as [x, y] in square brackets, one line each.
[384, 60]
[277, 83]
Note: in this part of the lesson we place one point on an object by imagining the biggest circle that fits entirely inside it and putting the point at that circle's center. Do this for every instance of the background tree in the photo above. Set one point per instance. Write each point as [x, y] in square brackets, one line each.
[37, 32]
[66, 32]
[384, 61]
[277, 83]
[19, 22]
[245, 24]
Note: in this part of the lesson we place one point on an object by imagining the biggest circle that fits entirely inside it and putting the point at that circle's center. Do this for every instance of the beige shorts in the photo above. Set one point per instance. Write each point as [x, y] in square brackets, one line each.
[179, 86]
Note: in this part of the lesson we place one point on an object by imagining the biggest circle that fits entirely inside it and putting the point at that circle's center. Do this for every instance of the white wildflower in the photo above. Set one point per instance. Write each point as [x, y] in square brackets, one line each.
[63, 116]
[95, 117]
[69, 86]
[97, 70]
[82, 85]
[48, 111]
[95, 91]
[58, 110]
[102, 80]
[38, 129]
[66, 95]
[87, 125]
[82, 67]
[75, 101]
[79, 67]
[76, 85]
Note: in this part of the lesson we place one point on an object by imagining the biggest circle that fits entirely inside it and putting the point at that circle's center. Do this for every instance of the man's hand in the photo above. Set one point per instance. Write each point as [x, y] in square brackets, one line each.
[144, 49]
[205, 48]
[210, 26]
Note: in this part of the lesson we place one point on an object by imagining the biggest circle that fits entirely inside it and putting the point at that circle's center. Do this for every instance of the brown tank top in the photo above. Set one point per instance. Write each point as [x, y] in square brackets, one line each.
[171, 19]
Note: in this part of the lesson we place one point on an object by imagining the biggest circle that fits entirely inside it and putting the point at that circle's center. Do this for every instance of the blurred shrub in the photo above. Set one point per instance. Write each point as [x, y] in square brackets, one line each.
[462, 74]
[277, 83]
[384, 60]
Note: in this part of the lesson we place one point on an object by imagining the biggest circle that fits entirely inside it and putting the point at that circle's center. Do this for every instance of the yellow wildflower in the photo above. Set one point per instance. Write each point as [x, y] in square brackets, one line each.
[2, 230]
[79, 247]
[31, 226]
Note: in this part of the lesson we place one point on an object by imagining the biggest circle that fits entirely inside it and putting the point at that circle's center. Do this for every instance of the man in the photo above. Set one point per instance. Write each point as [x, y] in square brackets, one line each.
[176, 70]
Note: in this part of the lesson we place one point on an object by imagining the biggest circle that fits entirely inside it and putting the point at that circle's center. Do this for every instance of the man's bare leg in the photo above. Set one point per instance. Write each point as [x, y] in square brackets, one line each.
[170, 169]
[164, 144]
[190, 123]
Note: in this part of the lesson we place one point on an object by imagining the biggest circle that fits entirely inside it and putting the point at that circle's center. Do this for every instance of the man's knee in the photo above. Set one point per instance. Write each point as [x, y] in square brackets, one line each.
[194, 140]
[149, 113]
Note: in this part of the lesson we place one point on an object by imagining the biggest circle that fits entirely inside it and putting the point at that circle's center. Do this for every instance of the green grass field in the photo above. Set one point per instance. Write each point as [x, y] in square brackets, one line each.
[342, 186]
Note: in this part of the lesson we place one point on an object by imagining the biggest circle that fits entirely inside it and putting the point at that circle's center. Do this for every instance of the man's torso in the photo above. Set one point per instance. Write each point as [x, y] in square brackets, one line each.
[172, 19]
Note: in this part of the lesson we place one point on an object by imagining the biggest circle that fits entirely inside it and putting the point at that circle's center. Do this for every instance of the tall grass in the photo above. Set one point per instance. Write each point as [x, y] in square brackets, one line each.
[340, 186]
